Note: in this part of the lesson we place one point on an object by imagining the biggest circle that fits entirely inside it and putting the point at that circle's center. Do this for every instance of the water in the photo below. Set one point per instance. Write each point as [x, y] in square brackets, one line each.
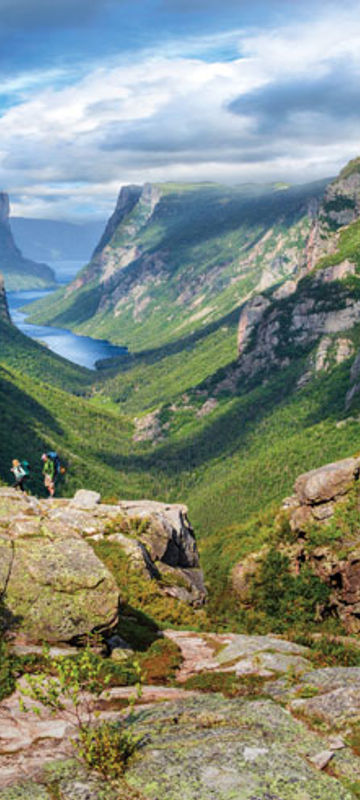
[80, 350]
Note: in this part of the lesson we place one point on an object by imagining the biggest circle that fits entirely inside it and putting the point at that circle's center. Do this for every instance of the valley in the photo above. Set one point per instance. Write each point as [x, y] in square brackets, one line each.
[212, 417]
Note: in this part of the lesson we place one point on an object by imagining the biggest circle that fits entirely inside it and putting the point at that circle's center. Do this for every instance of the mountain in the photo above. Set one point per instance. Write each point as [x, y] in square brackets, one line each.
[19, 272]
[226, 416]
[54, 240]
[177, 257]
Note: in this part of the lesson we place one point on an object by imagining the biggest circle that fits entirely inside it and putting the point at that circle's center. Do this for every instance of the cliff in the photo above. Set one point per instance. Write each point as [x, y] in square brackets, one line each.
[4, 311]
[175, 258]
[18, 271]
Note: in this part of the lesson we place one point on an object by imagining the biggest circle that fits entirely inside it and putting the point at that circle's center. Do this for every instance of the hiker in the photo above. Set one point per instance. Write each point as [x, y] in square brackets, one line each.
[51, 470]
[20, 472]
[48, 473]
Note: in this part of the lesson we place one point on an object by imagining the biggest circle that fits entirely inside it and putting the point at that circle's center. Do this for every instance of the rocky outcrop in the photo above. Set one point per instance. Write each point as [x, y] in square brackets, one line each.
[4, 311]
[270, 334]
[57, 589]
[19, 272]
[329, 494]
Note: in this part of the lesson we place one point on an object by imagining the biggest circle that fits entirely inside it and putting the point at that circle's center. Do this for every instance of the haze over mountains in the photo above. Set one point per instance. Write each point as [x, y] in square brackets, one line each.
[19, 272]
[56, 240]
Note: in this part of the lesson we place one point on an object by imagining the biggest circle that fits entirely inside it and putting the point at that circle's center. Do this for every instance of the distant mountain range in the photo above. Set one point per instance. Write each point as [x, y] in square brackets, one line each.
[52, 240]
[19, 271]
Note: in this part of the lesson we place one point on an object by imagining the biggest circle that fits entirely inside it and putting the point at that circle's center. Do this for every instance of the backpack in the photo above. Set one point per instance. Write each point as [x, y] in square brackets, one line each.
[52, 454]
[26, 467]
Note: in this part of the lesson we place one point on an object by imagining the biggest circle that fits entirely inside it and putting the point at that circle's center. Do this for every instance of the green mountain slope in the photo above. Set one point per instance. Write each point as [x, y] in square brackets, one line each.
[175, 258]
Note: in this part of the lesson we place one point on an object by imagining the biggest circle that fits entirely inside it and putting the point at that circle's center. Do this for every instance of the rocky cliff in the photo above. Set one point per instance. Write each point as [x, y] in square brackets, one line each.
[19, 272]
[4, 311]
[174, 258]
[317, 532]
[315, 313]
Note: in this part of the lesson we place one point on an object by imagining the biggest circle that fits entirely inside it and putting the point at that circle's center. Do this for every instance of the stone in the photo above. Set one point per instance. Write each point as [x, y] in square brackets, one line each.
[56, 589]
[327, 482]
[337, 707]
[84, 498]
[321, 760]
[266, 664]
[323, 511]
[242, 646]
[210, 748]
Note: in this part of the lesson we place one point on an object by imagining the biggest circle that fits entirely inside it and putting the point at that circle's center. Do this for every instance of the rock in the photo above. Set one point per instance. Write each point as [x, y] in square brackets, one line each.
[210, 748]
[85, 499]
[56, 589]
[4, 310]
[335, 707]
[169, 537]
[328, 482]
[242, 646]
[252, 313]
[321, 760]
[267, 664]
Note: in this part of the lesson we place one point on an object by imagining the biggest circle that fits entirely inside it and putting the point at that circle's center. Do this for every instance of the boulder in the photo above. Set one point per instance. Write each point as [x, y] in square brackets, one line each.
[56, 587]
[328, 482]
[84, 498]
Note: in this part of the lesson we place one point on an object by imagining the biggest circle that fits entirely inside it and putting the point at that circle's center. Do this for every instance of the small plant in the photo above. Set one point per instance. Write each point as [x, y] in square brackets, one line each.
[107, 748]
[71, 689]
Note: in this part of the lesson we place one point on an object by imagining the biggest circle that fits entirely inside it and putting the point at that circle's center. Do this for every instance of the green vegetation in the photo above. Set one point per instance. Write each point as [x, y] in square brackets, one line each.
[228, 684]
[71, 689]
[137, 591]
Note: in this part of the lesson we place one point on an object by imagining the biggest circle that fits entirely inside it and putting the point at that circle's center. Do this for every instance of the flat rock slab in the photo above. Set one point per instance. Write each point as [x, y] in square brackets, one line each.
[215, 749]
[322, 681]
[266, 664]
[242, 646]
[335, 708]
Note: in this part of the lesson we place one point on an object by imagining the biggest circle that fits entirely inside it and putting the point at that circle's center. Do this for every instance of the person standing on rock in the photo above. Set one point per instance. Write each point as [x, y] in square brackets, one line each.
[48, 474]
[20, 473]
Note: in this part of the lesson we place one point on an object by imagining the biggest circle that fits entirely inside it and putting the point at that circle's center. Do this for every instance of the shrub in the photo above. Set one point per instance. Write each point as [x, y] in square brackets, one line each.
[107, 748]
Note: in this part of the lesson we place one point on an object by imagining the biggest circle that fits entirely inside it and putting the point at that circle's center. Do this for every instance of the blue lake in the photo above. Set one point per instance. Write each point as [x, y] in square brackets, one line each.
[81, 350]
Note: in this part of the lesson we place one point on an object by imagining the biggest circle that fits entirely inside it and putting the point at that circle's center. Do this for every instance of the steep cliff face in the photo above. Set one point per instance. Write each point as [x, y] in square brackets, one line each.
[316, 313]
[174, 258]
[19, 272]
[4, 311]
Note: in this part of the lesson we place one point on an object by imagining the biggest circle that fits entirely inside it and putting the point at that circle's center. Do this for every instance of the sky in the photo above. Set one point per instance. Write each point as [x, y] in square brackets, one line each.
[95, 94]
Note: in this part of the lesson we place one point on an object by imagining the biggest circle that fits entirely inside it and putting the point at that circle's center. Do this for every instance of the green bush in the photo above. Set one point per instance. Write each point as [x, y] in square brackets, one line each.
[107, 748]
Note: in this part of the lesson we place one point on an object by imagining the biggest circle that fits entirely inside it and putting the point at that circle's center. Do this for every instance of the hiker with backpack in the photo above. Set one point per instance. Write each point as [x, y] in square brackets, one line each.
[51, 470]
[21, 471]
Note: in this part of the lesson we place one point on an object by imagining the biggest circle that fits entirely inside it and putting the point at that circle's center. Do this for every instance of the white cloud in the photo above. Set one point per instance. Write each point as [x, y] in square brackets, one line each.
[164, 117]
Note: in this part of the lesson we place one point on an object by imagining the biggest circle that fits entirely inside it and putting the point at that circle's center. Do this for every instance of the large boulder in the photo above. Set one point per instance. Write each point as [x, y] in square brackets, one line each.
[328, 482]
[55, 587]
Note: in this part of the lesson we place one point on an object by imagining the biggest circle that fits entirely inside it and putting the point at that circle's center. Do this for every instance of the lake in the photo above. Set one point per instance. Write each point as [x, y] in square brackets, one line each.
[82, 350]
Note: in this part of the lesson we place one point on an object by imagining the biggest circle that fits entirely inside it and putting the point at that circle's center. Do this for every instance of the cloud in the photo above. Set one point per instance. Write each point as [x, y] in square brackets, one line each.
[328, 99]
[283, 109]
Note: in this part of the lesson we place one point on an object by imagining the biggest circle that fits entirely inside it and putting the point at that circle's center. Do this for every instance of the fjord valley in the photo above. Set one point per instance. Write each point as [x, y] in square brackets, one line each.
[225, 410]
[227, 601]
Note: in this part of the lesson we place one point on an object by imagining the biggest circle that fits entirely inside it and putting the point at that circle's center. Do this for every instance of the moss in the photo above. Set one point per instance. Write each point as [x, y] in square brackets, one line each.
[160, 662]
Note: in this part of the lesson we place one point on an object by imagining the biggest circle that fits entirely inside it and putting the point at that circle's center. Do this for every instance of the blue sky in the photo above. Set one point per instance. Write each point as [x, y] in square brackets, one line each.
[98, 93]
